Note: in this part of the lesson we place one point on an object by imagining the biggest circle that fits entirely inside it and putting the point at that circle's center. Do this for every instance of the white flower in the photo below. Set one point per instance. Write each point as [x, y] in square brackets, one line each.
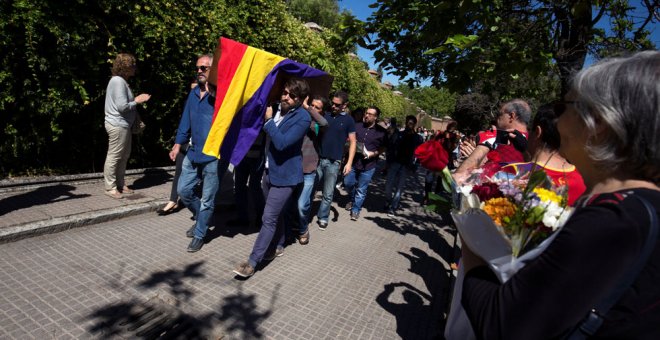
[554, 216]
[564, 217]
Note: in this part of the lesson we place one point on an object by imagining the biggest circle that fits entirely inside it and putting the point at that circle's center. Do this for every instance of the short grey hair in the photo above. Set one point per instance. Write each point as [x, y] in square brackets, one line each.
[521, 108]
[206, 55]
[623, 96]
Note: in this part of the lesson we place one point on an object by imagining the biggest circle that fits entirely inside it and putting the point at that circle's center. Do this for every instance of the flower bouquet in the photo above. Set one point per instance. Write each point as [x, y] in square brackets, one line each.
[524, 211]
[507, 221]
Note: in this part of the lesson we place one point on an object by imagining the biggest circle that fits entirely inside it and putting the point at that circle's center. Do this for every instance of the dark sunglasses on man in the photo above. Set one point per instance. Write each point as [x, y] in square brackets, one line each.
[202, 68]
[289, 94]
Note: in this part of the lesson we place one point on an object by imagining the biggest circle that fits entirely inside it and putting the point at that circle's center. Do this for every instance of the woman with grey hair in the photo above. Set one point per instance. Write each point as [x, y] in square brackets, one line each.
[600, 277]
[120, 115]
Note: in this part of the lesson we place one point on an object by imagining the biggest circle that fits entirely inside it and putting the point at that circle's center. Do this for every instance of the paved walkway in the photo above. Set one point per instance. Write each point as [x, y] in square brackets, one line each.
[124, 272]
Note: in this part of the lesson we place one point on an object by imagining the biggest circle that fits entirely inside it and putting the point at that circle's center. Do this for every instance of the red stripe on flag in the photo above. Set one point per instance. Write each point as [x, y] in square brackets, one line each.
[231, 54]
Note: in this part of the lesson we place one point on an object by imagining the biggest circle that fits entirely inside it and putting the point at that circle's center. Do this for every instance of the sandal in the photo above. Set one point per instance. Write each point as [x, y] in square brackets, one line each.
[304, 238]
[127, 190]
[114, 193]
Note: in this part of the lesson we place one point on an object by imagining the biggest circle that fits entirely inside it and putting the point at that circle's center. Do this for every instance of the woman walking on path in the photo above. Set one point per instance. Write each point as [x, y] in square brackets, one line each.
[120, 115]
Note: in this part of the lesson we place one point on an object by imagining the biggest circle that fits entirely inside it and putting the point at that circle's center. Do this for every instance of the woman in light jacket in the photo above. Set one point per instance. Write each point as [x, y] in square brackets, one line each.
[120, 115]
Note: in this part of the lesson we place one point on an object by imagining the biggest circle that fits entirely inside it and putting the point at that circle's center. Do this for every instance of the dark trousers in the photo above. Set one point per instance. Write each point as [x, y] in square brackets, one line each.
[247, 187]
[272, 227]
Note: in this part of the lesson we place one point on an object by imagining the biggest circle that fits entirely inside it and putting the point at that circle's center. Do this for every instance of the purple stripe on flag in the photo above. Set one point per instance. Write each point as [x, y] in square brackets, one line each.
[249, 120]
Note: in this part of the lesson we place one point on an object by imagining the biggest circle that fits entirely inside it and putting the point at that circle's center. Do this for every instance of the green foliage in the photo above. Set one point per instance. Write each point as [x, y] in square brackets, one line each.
[56, 64]
[487, 41]
[323, 12]
[442, 202]
[425, 122]
[438, 102]
[473, 112]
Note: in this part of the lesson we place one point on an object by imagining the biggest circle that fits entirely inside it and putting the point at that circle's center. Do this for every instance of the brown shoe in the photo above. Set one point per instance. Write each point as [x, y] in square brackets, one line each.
[244, 269]
[304, 238]
[114, 193]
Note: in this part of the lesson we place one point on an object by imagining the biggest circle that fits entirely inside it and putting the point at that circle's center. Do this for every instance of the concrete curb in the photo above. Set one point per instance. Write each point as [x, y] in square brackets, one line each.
[30, 183]
[58, 224]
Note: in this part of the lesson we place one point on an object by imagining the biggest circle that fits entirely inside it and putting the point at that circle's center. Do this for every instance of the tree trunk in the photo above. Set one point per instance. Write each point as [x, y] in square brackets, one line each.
[574, 23]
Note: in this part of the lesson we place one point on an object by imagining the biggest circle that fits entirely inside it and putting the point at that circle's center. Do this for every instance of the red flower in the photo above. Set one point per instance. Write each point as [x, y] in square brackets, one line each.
[487, 191]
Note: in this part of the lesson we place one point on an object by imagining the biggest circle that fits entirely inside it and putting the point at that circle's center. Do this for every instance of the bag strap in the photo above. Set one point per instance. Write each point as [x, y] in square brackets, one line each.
[594, 319]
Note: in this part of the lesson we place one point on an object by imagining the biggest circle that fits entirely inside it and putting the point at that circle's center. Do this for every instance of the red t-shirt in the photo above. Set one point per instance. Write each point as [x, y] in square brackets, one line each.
[502, 155]
[570, 177]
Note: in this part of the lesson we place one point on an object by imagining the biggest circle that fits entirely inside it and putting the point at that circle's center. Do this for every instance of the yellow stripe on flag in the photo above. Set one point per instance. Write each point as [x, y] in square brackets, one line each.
[255, 66]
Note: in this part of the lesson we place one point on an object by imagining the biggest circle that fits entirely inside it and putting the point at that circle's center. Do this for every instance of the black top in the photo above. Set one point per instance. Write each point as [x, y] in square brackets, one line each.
[406, 144]
[373, 138]
[552, 294]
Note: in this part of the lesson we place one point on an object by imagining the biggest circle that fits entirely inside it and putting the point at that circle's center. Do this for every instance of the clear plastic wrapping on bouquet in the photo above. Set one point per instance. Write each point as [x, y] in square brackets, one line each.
[485, 239]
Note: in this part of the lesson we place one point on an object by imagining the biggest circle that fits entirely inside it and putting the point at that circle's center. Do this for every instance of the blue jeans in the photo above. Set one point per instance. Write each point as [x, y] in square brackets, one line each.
[327, 172]
[305, 201]
[272, 227]
[396, 179]
[247, 183]
[357, 183]
[210, 174]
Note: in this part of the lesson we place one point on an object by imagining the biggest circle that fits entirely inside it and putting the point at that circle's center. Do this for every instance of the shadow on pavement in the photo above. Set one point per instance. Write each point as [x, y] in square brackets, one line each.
[415, 225]
[237, 314]
[222, 228]
[174, 281]
[42, 195]
[410, 313]
[151, 178]
[414, 307]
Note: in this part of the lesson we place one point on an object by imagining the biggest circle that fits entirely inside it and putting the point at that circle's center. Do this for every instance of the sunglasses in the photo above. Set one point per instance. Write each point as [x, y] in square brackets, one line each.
[202, 68]
[337, 104]
[560, 106]
[289, 94]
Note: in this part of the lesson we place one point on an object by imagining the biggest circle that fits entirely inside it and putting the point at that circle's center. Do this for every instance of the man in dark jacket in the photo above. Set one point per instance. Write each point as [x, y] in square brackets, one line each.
[404, 163]
[284, 130]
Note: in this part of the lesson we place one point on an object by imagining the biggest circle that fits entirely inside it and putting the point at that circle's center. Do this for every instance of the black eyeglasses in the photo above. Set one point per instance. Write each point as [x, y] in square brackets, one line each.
[202, 68]
[560, 106]
[287, 93]
[337, 104]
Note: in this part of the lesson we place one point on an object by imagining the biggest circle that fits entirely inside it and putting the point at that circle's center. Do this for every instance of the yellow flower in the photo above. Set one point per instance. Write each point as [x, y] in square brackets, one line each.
[498, 208]
[547, 195]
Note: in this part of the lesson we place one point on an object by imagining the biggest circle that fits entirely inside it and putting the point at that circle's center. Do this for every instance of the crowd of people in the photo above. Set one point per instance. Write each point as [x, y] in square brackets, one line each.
[308, 143]
[600, 142]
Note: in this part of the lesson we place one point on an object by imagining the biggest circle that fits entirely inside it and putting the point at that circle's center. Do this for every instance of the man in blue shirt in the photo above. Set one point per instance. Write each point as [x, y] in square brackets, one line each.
[371, 140]
[340, 127]
[196, 123]
[284, 171]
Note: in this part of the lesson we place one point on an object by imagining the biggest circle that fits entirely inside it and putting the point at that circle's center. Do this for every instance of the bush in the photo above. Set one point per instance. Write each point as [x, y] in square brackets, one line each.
[57, 58]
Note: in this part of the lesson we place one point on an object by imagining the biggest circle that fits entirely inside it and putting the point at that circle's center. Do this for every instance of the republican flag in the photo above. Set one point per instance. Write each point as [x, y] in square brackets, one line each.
[248, 79]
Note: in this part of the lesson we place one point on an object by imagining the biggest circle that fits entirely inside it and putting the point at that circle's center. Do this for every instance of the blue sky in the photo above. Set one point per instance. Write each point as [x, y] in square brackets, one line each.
[360, 8]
